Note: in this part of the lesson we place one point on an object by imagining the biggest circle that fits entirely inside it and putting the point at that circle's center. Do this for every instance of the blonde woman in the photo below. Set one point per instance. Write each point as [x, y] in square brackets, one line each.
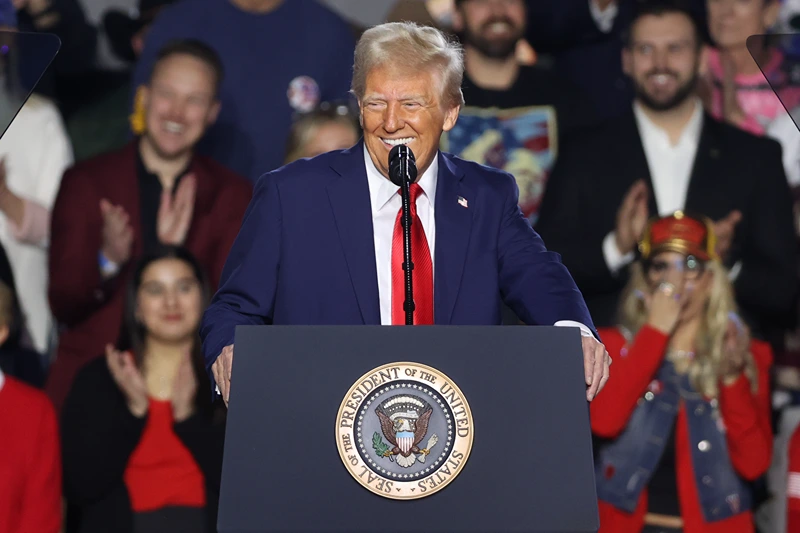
[330, 127]
[684, 424]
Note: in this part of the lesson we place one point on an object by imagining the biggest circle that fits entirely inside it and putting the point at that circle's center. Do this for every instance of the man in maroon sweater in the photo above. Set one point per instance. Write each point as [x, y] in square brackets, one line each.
[113, 208]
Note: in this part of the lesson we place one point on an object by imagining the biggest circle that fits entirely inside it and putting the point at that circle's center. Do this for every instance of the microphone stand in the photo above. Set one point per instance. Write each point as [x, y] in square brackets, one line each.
[403, 172]
[408, 265]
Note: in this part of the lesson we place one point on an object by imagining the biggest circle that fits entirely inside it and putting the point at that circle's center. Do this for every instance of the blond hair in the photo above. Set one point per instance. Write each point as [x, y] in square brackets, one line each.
[704, 371]
[410, 47]
[304, 128]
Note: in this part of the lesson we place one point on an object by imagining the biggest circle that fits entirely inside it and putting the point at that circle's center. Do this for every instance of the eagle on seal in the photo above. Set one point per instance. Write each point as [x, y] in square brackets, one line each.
[404, 422]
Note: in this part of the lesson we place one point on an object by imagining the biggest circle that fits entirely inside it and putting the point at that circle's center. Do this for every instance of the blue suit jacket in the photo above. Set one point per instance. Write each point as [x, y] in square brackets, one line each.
[305, 254]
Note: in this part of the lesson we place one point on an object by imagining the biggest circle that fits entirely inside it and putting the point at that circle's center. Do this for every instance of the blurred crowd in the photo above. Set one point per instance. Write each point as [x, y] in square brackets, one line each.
[655, 147]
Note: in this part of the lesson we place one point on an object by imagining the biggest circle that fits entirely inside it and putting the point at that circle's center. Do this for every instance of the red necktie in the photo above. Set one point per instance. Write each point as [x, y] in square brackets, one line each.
[422, 275]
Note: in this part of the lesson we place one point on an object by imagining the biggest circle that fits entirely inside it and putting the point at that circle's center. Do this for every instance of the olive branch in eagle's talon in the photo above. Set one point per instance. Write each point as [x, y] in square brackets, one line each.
[380, 447]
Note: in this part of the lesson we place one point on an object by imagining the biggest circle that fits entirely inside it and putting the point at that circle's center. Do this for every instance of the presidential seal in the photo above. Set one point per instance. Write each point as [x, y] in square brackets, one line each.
[404, 431]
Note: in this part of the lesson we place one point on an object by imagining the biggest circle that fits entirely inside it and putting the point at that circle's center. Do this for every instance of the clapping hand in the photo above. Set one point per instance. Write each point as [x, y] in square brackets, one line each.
[631, 218]
[129, 380]
[117, 232]
[725, 230]
[737, 346]
[175, 214]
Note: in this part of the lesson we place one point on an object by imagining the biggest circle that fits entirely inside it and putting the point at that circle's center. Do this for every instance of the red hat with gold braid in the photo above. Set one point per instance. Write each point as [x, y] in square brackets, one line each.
[679, 232]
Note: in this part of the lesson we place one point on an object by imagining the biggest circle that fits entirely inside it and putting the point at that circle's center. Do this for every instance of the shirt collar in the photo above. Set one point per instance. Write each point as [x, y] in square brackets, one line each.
[2, 380]
[690, 135]
[146, 177]
[381, 189]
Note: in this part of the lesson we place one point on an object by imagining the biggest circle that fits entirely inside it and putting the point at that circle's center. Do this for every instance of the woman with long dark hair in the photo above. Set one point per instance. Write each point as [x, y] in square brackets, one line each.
[142, 441]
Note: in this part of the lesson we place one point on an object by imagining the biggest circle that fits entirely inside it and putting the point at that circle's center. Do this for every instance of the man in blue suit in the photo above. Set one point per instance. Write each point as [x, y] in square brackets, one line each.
[321, 241]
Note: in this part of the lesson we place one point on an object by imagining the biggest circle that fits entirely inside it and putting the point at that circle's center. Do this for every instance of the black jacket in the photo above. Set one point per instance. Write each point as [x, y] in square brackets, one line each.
[732, 170]
[99, 434]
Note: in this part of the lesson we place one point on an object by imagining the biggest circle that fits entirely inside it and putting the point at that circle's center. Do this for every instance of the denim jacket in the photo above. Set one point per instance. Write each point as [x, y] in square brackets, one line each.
[625, 465]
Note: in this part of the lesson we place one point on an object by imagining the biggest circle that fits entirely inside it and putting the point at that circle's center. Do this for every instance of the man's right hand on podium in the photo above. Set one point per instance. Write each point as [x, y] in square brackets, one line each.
[222, 372]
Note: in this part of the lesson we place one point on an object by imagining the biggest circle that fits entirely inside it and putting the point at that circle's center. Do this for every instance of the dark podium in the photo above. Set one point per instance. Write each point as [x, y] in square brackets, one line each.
[351, 429]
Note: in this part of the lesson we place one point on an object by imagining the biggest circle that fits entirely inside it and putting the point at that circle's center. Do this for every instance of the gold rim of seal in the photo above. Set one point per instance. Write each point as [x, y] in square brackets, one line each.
[467, 447]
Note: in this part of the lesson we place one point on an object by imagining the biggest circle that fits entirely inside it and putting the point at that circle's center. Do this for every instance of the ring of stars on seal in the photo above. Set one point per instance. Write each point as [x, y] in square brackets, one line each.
[404, 431]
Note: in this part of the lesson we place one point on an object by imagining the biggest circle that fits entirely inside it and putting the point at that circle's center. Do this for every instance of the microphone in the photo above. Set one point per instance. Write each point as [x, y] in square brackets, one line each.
[402, 165]
[403, 172]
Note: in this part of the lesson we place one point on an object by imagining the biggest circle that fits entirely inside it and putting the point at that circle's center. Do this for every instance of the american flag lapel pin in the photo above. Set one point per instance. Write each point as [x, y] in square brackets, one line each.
[462, 201]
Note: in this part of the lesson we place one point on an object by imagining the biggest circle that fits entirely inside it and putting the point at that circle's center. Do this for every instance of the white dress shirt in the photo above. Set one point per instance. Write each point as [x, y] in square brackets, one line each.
[2, 379]
[386, 202]
[670, 168]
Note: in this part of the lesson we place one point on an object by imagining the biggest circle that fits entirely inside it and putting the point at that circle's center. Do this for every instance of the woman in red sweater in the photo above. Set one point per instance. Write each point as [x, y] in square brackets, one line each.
[142, 443]
[684, 423]
[30, 460]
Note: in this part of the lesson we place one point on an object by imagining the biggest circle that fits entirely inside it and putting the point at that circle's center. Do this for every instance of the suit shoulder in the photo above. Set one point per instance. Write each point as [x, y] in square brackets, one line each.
[308, 171]
[485, 176]
[738, 137]
[97, 168]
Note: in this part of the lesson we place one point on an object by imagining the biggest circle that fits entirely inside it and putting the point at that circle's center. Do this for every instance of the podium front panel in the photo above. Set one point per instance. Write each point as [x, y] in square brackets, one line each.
[530, 468]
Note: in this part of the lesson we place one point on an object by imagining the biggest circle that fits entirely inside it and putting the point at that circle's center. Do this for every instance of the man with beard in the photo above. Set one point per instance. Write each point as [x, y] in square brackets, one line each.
[515, 116]
[114, 208]
[667, 154]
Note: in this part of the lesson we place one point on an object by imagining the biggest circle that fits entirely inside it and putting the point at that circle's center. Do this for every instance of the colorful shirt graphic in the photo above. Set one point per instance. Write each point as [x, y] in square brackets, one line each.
[762, 96]
[521, 141]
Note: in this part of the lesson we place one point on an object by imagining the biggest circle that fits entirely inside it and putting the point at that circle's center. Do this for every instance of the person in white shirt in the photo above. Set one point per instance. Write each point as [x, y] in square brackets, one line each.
[35, 151]
[666, 155]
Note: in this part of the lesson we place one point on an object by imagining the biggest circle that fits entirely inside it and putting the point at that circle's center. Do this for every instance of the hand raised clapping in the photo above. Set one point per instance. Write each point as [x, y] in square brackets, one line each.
[736, 349]
[129, 380]
[175, 214]
[117, 232]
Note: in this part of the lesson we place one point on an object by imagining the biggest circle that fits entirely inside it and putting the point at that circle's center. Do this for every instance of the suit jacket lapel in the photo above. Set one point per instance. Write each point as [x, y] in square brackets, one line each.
[127, 180]
[701, 193]
[352, 212]
[453, 229]
[206, 191]
[632, 150]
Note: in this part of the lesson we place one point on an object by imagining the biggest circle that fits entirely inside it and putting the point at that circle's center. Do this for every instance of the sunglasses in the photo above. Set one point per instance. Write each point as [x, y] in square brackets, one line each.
[691, 267]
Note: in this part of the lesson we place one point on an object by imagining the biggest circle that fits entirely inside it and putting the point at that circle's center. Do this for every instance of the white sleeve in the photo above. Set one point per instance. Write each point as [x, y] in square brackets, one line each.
[783, 130]
[614, 259]
[585, 332]
[56, 156]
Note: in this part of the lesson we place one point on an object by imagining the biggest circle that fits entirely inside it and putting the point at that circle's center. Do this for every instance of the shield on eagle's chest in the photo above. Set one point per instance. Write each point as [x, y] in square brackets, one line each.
[405, 440]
